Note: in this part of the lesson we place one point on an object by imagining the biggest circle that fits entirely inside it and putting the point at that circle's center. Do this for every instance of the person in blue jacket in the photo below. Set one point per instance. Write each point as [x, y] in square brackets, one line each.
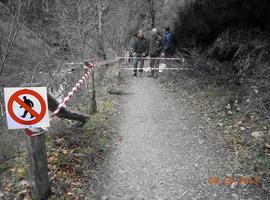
[168, 43]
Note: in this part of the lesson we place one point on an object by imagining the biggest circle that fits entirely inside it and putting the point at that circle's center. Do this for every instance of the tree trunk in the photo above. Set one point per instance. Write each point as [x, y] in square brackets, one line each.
[53, 105]
[101, 51]
[64, 113]
[152, 13]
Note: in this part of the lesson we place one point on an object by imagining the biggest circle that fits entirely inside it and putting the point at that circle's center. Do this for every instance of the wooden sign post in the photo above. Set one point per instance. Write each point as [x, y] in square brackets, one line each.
[39, 178]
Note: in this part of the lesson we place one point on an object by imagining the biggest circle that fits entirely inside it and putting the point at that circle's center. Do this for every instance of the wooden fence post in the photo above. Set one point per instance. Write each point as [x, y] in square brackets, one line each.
[37, 151]
[38, 165]
[39, 178]
[93, 106]
[120, 72]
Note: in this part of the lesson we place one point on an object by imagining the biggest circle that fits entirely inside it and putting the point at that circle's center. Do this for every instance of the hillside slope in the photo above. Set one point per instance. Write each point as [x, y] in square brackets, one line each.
[227, 44]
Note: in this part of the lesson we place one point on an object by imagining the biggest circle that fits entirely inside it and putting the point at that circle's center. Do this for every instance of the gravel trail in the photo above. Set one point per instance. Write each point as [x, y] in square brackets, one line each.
[163, 151]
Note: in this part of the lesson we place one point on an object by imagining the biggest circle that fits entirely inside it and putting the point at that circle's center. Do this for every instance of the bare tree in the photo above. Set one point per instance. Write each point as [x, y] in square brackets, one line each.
[101, 7]
[125, 20]
[152, 12]
[19, 15]
[45, 5]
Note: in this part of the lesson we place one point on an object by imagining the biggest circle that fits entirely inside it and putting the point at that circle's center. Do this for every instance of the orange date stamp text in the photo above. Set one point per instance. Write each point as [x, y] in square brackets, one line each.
[245, 180]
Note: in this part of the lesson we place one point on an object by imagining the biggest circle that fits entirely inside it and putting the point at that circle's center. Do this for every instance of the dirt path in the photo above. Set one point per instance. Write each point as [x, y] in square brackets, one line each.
[163, 151]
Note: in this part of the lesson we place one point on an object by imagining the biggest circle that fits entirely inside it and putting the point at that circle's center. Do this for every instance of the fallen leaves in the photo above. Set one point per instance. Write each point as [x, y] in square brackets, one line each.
[9, 187]
[65, 152]
[14, 184]
[257, 135]
[63, 165]
[242, 128]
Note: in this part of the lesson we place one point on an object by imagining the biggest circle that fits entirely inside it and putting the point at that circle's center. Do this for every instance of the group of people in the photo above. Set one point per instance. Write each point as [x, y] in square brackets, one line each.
[158, 46]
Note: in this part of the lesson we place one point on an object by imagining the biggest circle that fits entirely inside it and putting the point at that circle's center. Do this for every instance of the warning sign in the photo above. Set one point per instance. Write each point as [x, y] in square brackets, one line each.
[26, 107]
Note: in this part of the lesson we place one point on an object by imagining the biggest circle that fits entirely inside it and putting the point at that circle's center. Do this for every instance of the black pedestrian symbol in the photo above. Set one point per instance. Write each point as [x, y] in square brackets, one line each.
[30, 104]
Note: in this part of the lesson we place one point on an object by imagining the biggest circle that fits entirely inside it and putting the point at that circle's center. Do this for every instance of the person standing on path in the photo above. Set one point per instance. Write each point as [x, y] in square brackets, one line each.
[140, 50]
[155, 49]
[168, 43]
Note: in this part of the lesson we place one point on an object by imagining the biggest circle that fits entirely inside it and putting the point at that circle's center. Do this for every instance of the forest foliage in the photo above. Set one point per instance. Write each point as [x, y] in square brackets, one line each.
[39, 36]
[225, 42]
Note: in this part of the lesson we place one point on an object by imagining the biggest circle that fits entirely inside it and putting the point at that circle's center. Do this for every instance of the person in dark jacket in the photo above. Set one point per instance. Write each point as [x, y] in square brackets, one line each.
[168, 43]
[140, 50]
[155, 48]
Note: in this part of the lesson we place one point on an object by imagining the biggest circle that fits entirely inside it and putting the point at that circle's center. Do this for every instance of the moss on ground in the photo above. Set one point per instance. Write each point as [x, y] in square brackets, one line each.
[232, 120]
[235, 126]
[3, 167]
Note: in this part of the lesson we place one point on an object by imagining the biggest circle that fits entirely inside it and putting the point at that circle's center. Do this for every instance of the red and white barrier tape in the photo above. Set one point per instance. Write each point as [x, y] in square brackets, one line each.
[160, 69]
[89, 67]
[96, 62]
[152, 58]
[99, 62]
[33, 132]
[38, 131]
[74, 89]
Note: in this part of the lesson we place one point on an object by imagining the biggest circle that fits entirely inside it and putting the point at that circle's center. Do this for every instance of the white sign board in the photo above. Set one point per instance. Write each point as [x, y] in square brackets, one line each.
[26, 107]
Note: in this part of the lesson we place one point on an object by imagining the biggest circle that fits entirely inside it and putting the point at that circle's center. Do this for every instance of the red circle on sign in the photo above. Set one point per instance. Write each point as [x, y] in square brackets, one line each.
[15, 98]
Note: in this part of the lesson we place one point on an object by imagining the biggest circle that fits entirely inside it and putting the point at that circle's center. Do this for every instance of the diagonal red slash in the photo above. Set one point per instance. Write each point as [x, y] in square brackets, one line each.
[26, 107]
